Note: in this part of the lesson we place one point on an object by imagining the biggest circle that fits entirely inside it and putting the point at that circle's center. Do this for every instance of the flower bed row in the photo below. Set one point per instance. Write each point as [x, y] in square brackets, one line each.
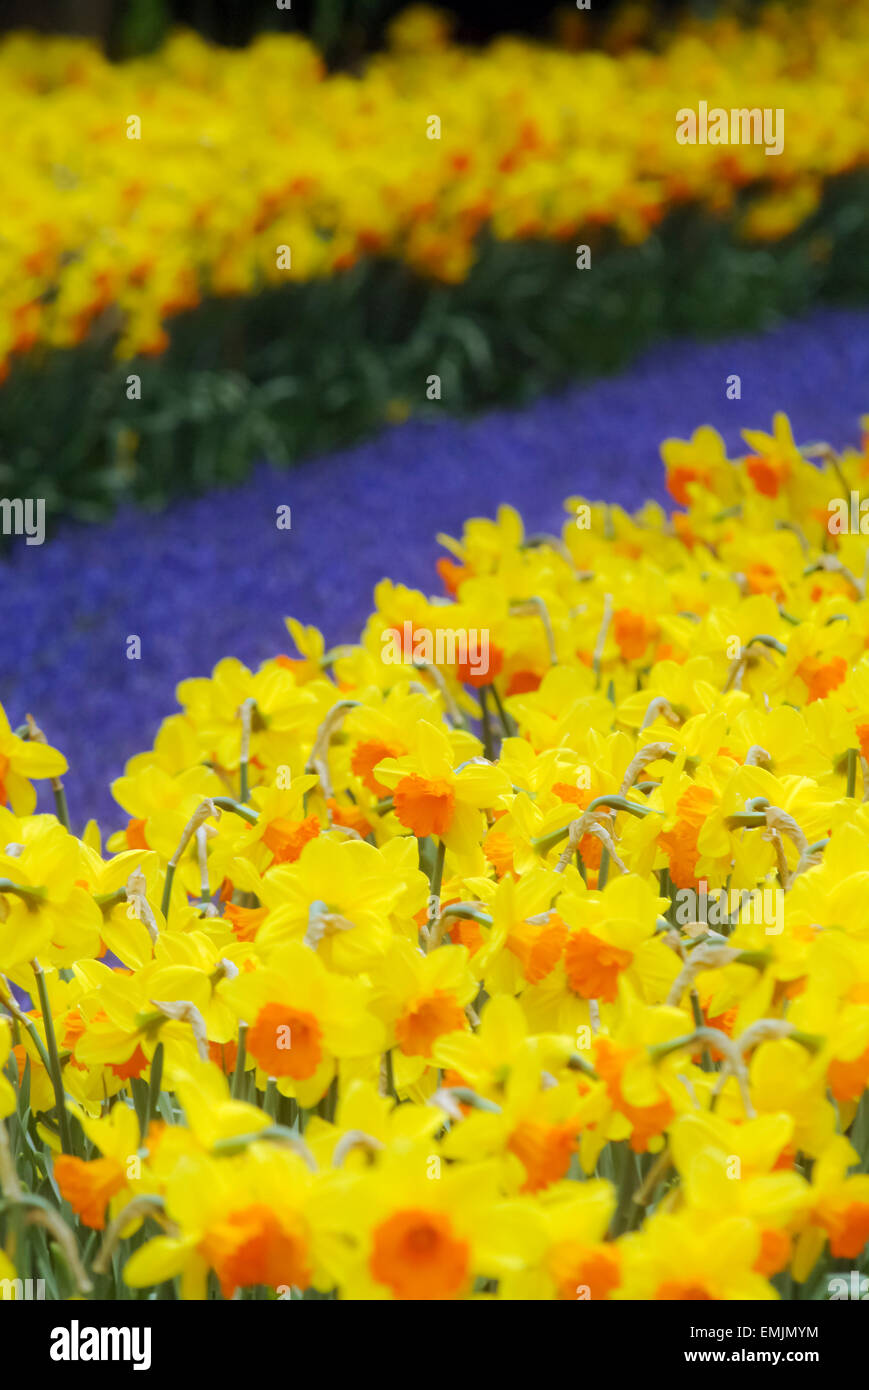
[147, 185]
[262, 200]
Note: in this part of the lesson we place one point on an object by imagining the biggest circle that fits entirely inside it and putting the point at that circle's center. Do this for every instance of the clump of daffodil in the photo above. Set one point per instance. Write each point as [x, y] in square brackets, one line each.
[387, 984]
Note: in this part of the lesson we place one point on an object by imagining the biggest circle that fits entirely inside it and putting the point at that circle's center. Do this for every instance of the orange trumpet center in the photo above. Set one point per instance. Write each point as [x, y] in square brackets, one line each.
[584, 1271]
[429, 1018]
[365, 758]
[287, 838]
[418, 1256]
[680, 843]
[423, 805]
[89, 1187]
[256, 1246]
[543, 1150]
[593, 966]
[286, 1042]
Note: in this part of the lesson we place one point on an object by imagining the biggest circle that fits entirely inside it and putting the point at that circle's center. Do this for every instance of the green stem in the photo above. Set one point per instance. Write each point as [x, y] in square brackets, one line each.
[270, 1099]
[60, 803]
[658, 1050]
[467, 1096]
[706, 1063]
[226, 803]
[665, 888]
[624, 1212]
[621, 803]
[53, 1059]
[468, 911]
[488, 746]
[604, 870]
[758, 959]
[577, 1063]
[745, 822]
[507, 723]
[241, 1058]
[851, 788]
[613, 802]
[237, 1143]
[31, 896]
[390, 1075]
[768, 641]
[106, 901]
[247, 710]
[328, 1104]
[437, 873]
[31, 1029]
[167, 889]
[155, 1083]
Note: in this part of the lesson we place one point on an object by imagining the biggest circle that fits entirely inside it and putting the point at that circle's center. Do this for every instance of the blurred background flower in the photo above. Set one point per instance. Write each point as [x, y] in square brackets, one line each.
[486, 215]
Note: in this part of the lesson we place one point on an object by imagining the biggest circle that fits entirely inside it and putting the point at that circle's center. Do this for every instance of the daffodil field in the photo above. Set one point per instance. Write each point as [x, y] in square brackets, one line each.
[502, 938]
[538, 971]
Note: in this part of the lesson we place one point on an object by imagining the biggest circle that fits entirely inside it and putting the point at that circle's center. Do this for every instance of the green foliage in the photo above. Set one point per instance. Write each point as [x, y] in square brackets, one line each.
[308, 368]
